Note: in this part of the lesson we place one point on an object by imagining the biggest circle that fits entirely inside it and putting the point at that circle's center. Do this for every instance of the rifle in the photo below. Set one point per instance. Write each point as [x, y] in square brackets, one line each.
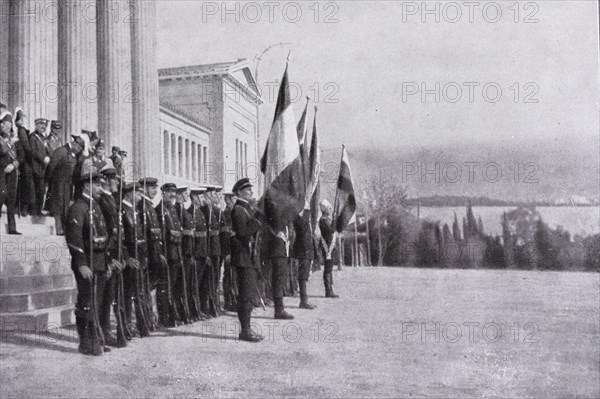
[172, 309]
[149, 311]
[186, 309]
[123, 333]
[98, 335]
[140, 298]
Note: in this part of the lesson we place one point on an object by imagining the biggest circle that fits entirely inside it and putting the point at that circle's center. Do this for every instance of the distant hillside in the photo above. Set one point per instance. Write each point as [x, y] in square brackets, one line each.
[542, 172]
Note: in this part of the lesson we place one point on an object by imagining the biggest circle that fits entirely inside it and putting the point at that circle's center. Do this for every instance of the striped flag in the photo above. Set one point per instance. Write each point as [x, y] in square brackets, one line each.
[302, 129]
[313, 190]
[345, 202]
[285, 190]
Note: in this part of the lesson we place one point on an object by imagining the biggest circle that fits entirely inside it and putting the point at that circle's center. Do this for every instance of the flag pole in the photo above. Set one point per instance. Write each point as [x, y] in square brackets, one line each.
[335, 211]
[356, 239]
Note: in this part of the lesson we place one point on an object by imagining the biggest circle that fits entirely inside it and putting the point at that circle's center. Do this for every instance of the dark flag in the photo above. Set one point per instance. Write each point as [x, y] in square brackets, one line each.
[313, 190]
[302, 130]
[285, 190]
[345, 202]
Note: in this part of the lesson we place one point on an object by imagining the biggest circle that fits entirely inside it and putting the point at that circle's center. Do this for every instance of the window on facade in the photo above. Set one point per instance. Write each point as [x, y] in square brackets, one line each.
[200, 168]
[194, 164]
[166, 149]
[173, 154]
[237, 159]
[180, 155]
[187, 158]
[245, 159]
[205, 161]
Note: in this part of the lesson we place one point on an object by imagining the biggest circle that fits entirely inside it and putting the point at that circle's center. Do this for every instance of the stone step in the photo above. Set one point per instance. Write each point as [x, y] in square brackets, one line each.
[34, 226]
[22, 255]
[34, 283]
[39, 320]
[13, 303]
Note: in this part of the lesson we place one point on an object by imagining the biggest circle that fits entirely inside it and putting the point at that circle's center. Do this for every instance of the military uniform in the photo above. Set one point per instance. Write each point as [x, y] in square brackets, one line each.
[136, 290]
[200, 255]
[303, 252]
[9, 158]
[190, 272]
[277, 255]
[229, 279]
[26, 186]
[39, 151]
[88, 251]
[245, 225]
[173, 233]
[213, 218]
[327, 237]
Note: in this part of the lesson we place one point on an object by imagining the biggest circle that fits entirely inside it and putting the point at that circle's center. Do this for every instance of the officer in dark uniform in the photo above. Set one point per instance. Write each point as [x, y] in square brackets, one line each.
[10, 158]
[200, 248]
[40, 158]
[173, 234]
[54, 137]
[277, 254]
[245, 223]
[86, 236]
[187, 247]
[135, 272]
[59, 175]
[229, 279]
[303, 252]
[155, 258]
[213, 216]
[26, 187]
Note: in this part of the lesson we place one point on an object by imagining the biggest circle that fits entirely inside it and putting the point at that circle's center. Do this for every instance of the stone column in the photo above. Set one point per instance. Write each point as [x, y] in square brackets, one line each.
[114, 73]
[77, 106]
[32, 70]
[4, 48]
[147, 138]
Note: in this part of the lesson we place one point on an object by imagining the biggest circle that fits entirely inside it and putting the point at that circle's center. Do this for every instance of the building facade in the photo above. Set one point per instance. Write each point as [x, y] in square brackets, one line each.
[224, 97]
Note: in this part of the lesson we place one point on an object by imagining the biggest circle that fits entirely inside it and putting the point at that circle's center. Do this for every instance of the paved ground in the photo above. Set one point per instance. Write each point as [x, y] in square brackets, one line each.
[498, 334]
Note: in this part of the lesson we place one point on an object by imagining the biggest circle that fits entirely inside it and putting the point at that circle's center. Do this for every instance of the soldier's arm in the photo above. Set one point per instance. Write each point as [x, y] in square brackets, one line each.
[76, 222]
[24, 139]
[38, 153]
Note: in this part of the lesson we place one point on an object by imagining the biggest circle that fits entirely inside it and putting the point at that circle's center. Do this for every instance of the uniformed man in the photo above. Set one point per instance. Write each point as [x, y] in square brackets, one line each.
[136, 291]
[213, 216]
[303, 252]
[26, 187]
[277, 255]
[9, 171]
[98, 161]
[54, 137]
[86, 236]
[245, 223]
[172, 233]
[155, 259]
[108, 200]
[200, 248]
[328, 246]
[59, 175]
[115, 157]
[40, 158]
[188, 280]
[229, 279]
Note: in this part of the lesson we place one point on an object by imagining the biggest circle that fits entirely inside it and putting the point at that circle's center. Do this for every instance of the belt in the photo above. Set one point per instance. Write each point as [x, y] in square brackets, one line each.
[141, 241]
[189, 233]
[199, 233]
[213, 233]
[225, 229]
[156, 233]
[175, 233]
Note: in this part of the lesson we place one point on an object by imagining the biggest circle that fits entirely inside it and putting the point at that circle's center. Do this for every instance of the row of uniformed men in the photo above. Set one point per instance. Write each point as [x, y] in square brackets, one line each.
[123, 247]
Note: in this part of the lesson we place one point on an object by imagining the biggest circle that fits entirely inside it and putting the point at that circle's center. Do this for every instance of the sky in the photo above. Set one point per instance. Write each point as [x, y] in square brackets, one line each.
[502, 72]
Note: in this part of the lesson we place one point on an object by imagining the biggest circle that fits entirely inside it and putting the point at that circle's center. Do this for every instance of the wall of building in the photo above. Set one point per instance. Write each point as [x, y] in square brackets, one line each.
[185, 147]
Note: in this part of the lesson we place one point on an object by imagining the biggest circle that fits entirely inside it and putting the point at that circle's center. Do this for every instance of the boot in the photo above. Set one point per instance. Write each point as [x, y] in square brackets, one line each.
[329, 293]
[244, 313]
[280, 312]
[304, 297]
[88, 345]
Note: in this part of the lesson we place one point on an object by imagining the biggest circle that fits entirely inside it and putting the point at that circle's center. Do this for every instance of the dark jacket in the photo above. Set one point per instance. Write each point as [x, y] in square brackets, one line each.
[153, 234]
[77, 235]
[200, 232]
[327, 231]
[173, 232]
[60, 179]
[187, 224]
[225, 233]
[39, 151]
[245, 226]
[212, 214]
[133, 229]
[303, 247]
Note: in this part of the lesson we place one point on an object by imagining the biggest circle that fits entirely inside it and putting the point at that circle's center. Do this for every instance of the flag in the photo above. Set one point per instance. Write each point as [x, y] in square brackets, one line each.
[345, 202]
[301, 130]
[313, 190]
[285, 191]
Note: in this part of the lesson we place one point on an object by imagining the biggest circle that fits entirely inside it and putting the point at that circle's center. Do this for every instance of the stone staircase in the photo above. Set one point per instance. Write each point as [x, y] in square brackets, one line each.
[37, 287]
